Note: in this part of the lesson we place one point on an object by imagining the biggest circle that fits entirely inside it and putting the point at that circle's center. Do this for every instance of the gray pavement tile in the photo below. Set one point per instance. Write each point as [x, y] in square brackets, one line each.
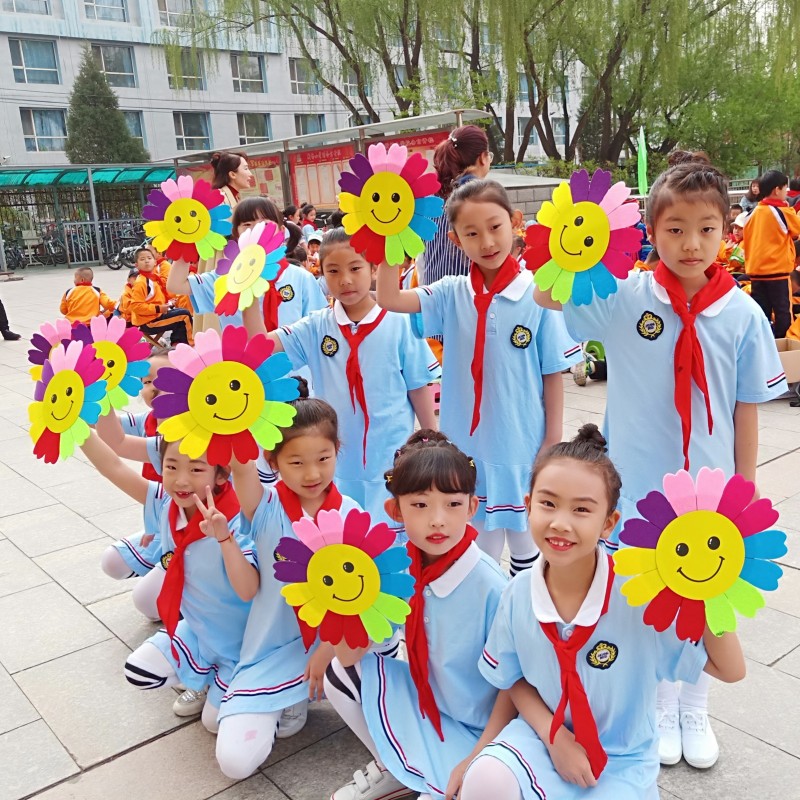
[790, 663]
[31, 758]
[8, 430]
[43, 623]
[785, 597]
[45, 475]
[322, 722]
[255, 788]
[17, 710]
[149, 772]
[779, 420]
[769, 636]
[21, 495]
[119, 522]
[767, 453]
[789, 510]
[120, 616]
[17, 571]
[114, 716]
[778, 479]
[777, 437]
[45, 530]
[90, 498]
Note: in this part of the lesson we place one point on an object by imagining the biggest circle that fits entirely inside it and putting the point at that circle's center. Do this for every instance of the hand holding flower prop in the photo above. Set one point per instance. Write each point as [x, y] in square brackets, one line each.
[123, 354]
[389, 203]
[187, 219]
[584, 238]
[701, 553]
[345, 578]
[247, 267]
[66, 401]
[44, 341]
[226, 395]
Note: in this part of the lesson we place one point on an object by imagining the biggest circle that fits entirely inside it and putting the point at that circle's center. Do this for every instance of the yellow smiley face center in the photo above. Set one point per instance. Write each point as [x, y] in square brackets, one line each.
[114, 360]
[700, 555]
[246, 268]
[63, 400]
[226, 398]
[387, 203]
[344, 579]
[580, 236]
[187, 220]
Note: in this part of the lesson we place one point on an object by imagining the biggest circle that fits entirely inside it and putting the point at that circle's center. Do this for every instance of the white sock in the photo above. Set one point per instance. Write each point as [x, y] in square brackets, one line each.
[489, 777]
[695, 695]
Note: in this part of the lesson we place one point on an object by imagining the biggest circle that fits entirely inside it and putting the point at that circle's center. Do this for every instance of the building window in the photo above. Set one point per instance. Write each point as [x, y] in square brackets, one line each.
[533, 139]
[556, 98]
[254, 128]
[173, 13]
[133, 119]
[248, 73]
[109, 10]
[559, 130]
[34, 61]
[400, 75]
[302, 77]
[351, 82]
[27, 6]
[309, 123]
[191, 130]
[449, 80]
[44, 129]
[117, 64]
[191, 77]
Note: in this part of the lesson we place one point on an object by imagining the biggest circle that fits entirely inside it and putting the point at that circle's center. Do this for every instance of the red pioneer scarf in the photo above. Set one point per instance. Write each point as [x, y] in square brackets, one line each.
[169, 599]
[84, 283]
[689, 362]
[572, 691]
[150, 429]
[416, 638]
[354, 378]
[483, 300]
[273, 298]
[291, 502]
[773, 201]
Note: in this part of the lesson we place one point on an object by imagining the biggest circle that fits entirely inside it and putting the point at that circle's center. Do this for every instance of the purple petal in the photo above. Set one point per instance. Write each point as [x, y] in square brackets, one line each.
[158, 199]
[81, 333]
[153, 213]
[294, 551]
[350, 183]
[639, 533]
[170, 405]
[289, 572]
[361, 167]
[579, 185]
[656, 508]
[600, 184]
[47, 373]
[169, 379]
[38, 391]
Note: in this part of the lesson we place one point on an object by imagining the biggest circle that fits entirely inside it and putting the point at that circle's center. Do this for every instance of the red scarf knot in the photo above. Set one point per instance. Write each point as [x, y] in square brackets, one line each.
[273, 299]
[290, 501]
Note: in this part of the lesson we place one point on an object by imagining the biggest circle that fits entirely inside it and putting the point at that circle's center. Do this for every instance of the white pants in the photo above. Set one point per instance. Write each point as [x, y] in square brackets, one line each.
[245, 741]
[145, 590]
[488, 777]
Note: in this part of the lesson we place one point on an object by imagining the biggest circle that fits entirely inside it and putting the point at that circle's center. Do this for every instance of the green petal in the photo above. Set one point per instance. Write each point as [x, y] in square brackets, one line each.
[281, 414]
[411, 242]
[265, 433]
[719, 615]
[204, 249]
[105, 405]
[395, 255]
[546, 275]
[375, 624]
[562, 288]
[393, 608]
[66, 444]
[745, 598]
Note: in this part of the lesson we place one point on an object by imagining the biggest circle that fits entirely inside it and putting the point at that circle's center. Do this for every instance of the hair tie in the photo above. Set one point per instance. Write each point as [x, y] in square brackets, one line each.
[387, 477]
[424, 439]
[454, 140]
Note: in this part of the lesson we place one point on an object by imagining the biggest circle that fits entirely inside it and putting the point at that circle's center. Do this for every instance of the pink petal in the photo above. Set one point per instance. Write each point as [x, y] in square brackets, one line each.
[273, 238]
[736, 496]
[427, 184]
[257, 351]
[208, 346]
[234, 342]
[331, 525]
[252, 236]
[615, 196]
[170, 189]
[185, 186]
[414, 168]
[379, 539]
[116, 329]
[377, 157]
[624, 216]
[99, 328]
[72, 354]
[618, 264]
[58, 358]
[710, 484]
[184, 358]
[397, 157]
[756, 517]
[309, 534]
[625, 240]
[679, 490]
[356, 527]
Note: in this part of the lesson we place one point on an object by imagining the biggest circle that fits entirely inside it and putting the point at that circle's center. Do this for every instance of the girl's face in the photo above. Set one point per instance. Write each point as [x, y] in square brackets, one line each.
[307, 464]
[312, 215]
[754, 188]
[294, 217]
[483, 231]
[242, 178]
[185, 477]
[149, 392]
[737, 233]
[348, 275]
[434, 521]
[245, 226]
[145, 261]
[568, 511]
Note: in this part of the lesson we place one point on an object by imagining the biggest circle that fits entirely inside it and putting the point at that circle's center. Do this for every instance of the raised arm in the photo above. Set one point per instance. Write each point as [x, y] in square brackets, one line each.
[254, 322]
[178, 279]
[391, 296]
[248, 487]
[134, 448]
[110, 466]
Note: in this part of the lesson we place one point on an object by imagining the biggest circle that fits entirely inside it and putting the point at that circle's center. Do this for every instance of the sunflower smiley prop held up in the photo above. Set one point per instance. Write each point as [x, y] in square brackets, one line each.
[345, 578]
[188, 220]
[66, 400]
[226, 395]
[389, 203]
[585, 239]
[701, 552]
[44, 341]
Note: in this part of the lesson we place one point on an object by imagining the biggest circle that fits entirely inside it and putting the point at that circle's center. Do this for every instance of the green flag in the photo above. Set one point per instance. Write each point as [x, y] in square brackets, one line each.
[642, 166]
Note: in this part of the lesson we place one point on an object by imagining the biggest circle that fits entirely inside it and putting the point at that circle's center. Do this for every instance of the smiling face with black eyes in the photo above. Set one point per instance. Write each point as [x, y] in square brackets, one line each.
[580, 236]
[187, 220]
[63, 400]
[388, 203]
[226, 398]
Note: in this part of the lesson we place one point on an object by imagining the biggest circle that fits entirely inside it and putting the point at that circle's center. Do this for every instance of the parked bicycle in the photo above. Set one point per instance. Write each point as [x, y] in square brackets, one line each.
[125, 255]
[15, 258]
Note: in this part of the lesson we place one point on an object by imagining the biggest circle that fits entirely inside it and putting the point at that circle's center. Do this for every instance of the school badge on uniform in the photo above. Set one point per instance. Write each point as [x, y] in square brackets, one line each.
[286, 293]
[602, 655]
[166, 558]
[521, 337]
[650, 326]
[329, 346]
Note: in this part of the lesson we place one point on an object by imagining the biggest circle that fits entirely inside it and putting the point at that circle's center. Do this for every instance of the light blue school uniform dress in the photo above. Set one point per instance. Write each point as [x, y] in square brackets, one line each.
[523, 343]
[639, 331]
[459, 609]
[209, 637]
[620, 667]
[269, 676]
[393, 362]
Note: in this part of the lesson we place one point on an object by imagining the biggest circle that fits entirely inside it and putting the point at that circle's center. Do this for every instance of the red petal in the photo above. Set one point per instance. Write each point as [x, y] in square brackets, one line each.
[331, 628]
[228, 305]
[354, 632]
[537, 236]
[691, 620]
[356, 528]
[426, 185]
[47, 446]
[219, 450]
[662, 609]
[244, 447]
[413, 169]
[308, 633]
[369, 244]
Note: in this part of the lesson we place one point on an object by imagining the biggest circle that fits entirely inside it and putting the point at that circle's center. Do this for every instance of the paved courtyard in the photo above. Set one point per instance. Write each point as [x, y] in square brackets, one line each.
[71, 728]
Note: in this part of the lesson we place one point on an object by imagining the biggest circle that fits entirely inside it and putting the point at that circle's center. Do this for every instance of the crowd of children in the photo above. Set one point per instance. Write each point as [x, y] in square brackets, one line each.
[498, 696]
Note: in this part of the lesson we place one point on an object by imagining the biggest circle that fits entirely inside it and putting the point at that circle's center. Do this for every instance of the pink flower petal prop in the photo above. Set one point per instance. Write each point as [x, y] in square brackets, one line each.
[257, 351]
[170, 189]
[397, 157]
[356, 528]
[330, 526]
[72, 353]
[427, 184]
[618, 264]
[625, 240]
[208, 346]
[376, 154]
[309, 534]
[624, 216]
[379, 539]
[736, 496]
[99, 328]
[57, 358]
[184, 358]
[756, 517]
[185, 186]
[234, 342]
[614, 197]
[116, 329]
[710, 484]
[679, 490]
[414, 168]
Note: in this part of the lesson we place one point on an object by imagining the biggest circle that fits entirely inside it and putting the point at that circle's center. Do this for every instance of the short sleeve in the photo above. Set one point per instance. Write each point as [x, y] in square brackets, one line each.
[499, 663]
[420, 366]
[759, 373]
[435, 300]
[132, 424]
[297, 341]
[153, 508]
[678, 660]
[263, 517]
[244, 541]
[201, 292]
[590, 321]
[153, 445]
[557, 350]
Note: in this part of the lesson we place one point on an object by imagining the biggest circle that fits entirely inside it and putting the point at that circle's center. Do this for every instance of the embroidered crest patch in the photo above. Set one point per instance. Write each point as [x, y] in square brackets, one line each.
[329, 346]
[286, 293]
[602, 655]
[166, 558]
[650, 326]
[521, 336]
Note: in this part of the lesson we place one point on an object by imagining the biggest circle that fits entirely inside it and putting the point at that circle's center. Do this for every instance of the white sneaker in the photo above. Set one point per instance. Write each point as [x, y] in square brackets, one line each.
[669, 735]
[700, 748]
[372, 784]
[190, 703]
[293, 720]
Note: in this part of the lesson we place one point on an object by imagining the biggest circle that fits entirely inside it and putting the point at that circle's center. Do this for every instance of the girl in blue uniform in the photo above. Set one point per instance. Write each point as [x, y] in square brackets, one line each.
[367, 364]
[204, 556]
[504, 359]
[689, 357]
[580, 664]
[425, 719]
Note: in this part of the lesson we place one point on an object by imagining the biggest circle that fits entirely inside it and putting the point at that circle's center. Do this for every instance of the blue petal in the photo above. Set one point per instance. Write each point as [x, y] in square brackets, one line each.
[95, 392]
[269, 272]
[220, 212]
[424, 227]
[90, 412]
[604, 282]
[430, 206]
[274, 367]
[222, 227]
[762, 574]
[138, 368]
[393, 560]
[767, 544]
[276, 255]
[397, 583]
[582, 289]
[282, 390]
[130, 385]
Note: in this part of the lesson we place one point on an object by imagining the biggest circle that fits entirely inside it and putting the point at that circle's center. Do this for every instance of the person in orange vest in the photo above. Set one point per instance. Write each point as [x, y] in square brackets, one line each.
[84, 301]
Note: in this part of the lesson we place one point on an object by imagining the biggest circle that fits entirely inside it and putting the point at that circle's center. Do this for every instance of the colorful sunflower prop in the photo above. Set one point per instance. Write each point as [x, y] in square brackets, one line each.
[701, 553]
[345, 578]
[226, 395]
[584, 240]
[44, 340]
[187, 219]
[66, 401]
[389, 203]
[247, 267]
[124, 355]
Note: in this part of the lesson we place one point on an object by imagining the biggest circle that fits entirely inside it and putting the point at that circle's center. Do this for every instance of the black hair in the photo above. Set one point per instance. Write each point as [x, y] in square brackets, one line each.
[590, 447]
[771, 180]
[294, 238]
[219, 469]
[312, 413]
[734, 206]
[299, 254]
[223, 163]
[794, 185]
[753, 198]
[252, 209]
[429, 460]
[332, 238]
[335, 220]
[477, 191]
[652, 257]
[289, 211]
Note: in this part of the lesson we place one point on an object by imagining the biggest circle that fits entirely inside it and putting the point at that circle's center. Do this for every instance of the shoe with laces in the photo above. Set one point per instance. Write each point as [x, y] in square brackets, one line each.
[190, 703]
[700, 748]
[669, 735]
[579, 373]
[293, 720]
[372, 783]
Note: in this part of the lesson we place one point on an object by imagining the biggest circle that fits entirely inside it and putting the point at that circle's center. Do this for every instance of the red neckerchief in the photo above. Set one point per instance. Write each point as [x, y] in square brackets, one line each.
[572, 691]
[773, 201]
[169, 599]
[272, 299]
[354, 378]
[688, 360]
[416, 638]
[291, 502]
[483, 300]
[83, 283]
[150, 429]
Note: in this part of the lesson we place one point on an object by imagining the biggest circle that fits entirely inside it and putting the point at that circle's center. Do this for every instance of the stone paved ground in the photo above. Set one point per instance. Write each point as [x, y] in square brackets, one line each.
[71, 728]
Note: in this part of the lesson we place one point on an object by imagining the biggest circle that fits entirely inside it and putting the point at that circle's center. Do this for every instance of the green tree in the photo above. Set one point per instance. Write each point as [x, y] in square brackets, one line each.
[96, 129]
